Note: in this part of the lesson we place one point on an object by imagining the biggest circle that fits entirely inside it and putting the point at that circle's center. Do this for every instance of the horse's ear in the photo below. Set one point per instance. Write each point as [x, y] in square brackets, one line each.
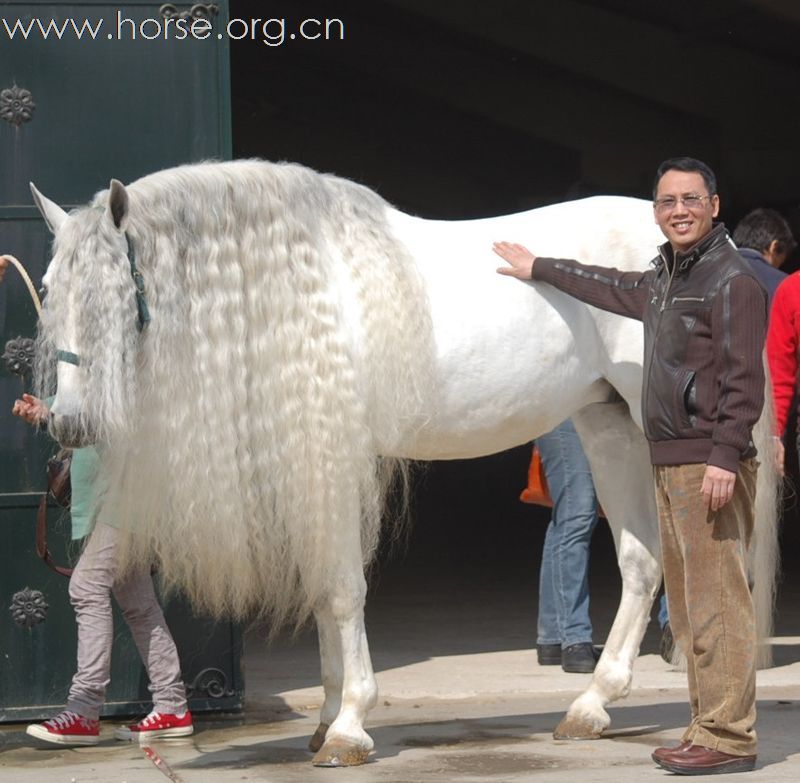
[118, 204]
[53, 215]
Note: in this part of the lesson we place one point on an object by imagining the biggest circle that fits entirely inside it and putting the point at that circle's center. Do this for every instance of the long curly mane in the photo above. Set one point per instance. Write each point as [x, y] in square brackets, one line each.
[290, 342]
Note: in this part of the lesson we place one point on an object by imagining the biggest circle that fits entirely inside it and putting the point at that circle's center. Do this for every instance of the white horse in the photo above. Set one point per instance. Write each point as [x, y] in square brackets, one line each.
[303, 337]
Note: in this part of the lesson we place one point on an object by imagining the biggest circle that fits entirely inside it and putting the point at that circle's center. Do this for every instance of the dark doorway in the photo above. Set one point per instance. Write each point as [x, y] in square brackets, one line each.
[466, 109]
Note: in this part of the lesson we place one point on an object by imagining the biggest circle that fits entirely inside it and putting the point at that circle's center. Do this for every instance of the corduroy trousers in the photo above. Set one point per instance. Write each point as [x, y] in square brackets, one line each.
[710, 607]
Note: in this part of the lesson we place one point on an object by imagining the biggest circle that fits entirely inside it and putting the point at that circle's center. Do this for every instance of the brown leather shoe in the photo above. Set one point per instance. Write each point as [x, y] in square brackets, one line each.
[660, 753]
[699, 760]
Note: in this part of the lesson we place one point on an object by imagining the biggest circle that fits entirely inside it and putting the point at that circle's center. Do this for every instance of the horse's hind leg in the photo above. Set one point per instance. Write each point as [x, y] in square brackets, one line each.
[622, 474]
[350, 687]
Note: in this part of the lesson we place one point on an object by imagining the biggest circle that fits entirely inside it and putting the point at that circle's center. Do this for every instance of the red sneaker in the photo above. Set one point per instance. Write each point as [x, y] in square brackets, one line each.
[67, 728]
[157, 725]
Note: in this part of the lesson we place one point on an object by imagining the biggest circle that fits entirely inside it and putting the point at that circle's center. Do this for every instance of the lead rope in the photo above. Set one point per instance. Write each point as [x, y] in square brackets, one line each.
[28, 282]
[41, 516]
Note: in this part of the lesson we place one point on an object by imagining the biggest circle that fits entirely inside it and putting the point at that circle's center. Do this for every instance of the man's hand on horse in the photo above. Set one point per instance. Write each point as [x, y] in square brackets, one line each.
[31, 409]
[717, 487]
[518, 256]
[4, 262]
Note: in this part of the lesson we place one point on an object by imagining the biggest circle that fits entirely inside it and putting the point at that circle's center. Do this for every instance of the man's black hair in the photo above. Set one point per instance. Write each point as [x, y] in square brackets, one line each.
[690, 165]
[760, 227]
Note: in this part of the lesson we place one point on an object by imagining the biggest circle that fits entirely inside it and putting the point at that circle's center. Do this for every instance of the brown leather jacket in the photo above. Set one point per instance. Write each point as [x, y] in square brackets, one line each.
[705, 316]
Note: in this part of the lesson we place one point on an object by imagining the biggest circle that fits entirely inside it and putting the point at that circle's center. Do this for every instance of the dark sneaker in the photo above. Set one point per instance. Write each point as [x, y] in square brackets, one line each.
[67, 728]
[579, 658]
[157, 725]
[548, 654]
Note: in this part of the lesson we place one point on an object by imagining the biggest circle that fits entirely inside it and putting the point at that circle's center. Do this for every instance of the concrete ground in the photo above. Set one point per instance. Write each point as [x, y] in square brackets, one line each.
[462, 697]
[452, 634]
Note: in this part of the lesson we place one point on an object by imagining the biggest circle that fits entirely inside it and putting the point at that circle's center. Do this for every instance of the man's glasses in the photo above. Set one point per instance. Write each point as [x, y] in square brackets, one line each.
[692, 201]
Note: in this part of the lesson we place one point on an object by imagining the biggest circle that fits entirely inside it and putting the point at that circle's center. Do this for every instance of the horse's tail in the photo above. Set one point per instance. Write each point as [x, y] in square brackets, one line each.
[764, 555]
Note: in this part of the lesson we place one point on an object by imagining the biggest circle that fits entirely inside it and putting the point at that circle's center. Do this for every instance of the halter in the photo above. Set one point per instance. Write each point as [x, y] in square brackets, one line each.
[142, 310]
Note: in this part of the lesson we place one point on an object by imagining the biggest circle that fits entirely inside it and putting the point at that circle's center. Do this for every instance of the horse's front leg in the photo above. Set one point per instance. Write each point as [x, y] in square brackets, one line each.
[331, 667]
[350, 687]
[621, 470]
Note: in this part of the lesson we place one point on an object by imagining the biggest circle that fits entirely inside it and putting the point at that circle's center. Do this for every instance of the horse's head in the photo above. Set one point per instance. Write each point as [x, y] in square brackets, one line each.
[88, 330]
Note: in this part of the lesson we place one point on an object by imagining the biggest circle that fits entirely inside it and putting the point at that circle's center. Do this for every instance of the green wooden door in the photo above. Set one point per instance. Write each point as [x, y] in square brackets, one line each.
[90, 91]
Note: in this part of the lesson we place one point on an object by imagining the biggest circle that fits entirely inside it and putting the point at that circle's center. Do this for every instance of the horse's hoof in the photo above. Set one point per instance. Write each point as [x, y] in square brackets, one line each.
[576, 729]
[340, 753]
[317, 741]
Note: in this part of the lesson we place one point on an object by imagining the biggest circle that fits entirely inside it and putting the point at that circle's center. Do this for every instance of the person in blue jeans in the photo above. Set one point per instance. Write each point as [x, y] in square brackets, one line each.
[666, 647]
[564, 630]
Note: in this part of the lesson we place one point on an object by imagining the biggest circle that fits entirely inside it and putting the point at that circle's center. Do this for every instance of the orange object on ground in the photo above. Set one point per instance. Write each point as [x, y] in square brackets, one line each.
[536, 491]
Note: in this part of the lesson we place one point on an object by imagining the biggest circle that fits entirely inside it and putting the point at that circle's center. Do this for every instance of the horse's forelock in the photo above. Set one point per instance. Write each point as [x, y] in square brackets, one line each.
[89, 282]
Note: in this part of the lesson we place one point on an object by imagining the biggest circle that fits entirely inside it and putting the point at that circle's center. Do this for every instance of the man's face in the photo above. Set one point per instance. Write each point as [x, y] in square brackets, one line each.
[684, 225]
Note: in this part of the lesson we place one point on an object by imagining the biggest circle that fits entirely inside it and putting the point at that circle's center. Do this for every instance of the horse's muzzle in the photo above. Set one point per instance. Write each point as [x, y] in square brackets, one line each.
[68, 431]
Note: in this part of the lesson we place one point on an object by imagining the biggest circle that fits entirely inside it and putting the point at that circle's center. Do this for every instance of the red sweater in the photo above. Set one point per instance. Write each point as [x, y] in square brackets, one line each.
[783, 341]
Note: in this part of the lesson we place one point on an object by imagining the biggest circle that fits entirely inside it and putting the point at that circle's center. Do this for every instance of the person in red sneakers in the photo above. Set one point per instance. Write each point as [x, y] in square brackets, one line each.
[93, 582]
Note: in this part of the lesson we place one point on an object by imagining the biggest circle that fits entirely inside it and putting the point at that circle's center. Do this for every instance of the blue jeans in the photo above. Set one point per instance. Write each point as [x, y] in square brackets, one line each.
[564, 577]
[663, 614]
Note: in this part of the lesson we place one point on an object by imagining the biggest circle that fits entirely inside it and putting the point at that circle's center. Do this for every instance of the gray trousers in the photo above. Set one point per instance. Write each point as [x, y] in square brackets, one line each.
[90, 588]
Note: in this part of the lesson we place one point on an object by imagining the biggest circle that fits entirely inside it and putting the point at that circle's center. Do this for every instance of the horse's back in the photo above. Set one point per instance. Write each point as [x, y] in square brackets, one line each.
[605, 230]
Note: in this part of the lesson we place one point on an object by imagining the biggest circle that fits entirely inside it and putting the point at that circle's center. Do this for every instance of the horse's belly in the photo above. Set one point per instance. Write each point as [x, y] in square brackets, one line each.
[484, 430]
[496, 389]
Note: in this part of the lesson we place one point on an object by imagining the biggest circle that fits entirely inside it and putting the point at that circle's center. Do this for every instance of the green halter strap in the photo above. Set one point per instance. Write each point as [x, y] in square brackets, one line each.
[142, 310]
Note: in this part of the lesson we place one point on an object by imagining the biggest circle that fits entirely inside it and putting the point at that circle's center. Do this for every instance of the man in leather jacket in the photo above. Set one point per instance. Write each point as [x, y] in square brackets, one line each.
[705, 316]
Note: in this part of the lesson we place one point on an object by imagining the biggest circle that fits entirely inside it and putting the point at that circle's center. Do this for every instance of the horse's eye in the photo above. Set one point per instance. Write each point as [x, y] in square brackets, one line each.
[42, 292]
